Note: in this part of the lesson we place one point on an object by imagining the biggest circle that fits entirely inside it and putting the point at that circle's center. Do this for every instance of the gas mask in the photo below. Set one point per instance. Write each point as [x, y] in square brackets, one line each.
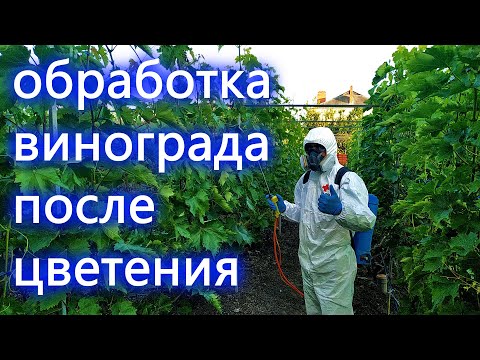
[311, 161]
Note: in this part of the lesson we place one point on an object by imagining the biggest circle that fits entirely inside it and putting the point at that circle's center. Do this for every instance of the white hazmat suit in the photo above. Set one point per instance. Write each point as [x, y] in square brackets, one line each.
[326, 256]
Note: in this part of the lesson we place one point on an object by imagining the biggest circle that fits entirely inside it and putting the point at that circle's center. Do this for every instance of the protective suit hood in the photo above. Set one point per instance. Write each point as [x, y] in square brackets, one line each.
[322, 136]
[325, 137]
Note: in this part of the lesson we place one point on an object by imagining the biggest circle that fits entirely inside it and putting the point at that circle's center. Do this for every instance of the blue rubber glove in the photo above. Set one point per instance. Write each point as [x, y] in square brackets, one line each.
[330, 204]
[281, 205]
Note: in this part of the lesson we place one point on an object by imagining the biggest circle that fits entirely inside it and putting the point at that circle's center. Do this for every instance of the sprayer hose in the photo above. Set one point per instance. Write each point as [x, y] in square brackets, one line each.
[278, 259]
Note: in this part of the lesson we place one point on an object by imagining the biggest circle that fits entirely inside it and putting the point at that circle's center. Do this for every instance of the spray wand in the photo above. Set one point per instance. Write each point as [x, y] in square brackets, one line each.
[276, 244]
[277, 224]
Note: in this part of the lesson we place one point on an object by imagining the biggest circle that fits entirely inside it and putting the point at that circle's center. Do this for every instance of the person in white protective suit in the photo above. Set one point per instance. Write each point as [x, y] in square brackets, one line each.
[326, 214]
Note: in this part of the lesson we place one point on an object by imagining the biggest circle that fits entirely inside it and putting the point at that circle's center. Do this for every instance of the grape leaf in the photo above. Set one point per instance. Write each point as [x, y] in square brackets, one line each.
[439, 215]
[218, 198]
[464, 243]
[102, 52]
[71, 180]
[424, 62]
[166, 191]
[40, 180]
[442, 54]
[213, 299]
[223, 178]
[143, 175]
[39, 238]
[88, 306]
[443, 288]
[182, 229]
[6, 98]
[228, 195]
[432, 264]
[250, 204]
[198, 204]
[112, 231]
[211, 235]
[51, 299]
[123, 307]
[133, 249]
[13, 56]
[242, 235]
[78, 245]
[146, 49]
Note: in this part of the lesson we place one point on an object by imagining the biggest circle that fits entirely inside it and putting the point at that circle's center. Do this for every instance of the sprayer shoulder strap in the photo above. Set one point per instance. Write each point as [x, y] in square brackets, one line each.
[338, 177]
[342, 171]
[306, 176]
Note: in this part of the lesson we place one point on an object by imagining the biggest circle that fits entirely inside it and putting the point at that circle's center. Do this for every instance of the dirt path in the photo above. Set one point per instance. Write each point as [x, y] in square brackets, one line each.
[264, 293]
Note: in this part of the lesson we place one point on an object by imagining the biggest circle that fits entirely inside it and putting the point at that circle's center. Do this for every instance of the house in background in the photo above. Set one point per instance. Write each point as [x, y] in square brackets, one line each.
[349, 97]
[342, 120]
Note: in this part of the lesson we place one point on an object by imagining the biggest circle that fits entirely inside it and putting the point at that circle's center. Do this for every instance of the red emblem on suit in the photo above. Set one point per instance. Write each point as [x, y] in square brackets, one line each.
[325, 187]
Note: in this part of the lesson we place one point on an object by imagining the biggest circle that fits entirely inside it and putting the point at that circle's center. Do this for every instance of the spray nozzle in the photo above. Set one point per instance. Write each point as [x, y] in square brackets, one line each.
[274, 199]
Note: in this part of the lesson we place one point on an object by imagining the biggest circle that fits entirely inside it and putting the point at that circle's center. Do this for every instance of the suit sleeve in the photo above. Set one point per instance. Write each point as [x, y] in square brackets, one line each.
[355, 215]
[293, 210]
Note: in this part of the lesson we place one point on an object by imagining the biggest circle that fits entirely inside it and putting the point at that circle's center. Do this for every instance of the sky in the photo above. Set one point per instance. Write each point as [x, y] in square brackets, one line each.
[306, 69]
[303, 69]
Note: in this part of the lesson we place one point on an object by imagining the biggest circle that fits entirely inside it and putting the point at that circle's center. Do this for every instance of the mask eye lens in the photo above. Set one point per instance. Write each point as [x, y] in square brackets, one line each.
[314, 147]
